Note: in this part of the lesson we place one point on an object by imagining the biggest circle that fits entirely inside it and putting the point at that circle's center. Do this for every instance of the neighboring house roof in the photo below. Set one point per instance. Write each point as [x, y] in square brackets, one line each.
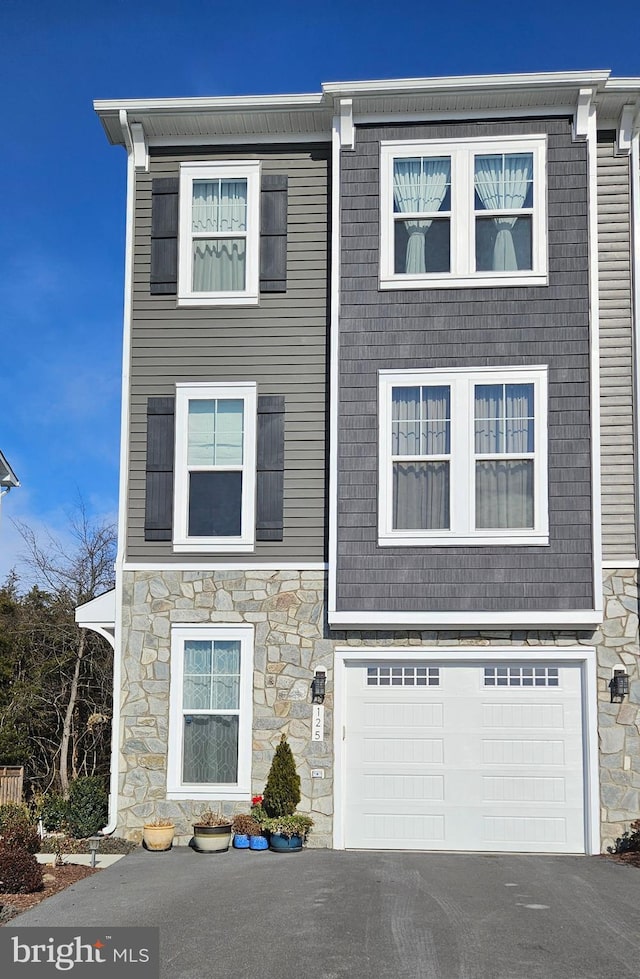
[8, 478]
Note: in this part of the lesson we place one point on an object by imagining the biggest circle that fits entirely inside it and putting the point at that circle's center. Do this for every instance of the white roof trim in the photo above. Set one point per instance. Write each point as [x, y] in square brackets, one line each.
[99, 615]
[453, 82]
[7, 476]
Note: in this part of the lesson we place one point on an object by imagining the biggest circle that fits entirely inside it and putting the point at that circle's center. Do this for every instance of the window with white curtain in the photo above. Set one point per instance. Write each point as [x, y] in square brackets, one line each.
[466, 211]
[219, 233]
[463, 456]
[210, 712]
[215, 467]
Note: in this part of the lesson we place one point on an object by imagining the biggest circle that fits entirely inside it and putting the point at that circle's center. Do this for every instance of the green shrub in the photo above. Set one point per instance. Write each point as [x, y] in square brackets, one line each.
[629, 842]
[282, 791]
[17, 828]
[87, 806]
[53, 812]
[20, 872]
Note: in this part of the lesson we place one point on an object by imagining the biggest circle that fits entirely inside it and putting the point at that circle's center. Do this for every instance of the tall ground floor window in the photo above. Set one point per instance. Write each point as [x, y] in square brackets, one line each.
[210, 712]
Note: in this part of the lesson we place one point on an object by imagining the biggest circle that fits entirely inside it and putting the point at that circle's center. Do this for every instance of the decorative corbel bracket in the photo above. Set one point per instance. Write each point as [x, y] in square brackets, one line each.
[582, 113]
[347, 129]
[627, 128]
[136, 142]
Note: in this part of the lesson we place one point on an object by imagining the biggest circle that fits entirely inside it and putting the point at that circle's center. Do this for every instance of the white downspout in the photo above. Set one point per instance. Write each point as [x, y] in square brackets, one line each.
[124, 478]
[634, 163]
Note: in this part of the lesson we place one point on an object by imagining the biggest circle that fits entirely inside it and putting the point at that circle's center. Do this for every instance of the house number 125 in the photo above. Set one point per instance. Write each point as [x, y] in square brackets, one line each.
[317, 723]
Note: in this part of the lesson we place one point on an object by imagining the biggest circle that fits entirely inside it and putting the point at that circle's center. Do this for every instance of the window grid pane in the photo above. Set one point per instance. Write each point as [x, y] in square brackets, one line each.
[403, 676]
[521, 676]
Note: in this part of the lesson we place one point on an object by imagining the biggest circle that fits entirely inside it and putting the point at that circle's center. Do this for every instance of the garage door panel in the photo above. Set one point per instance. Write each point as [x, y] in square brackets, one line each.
[402, 715]
[406, 788]
[403, 750]
[458, 765]
[506, 788]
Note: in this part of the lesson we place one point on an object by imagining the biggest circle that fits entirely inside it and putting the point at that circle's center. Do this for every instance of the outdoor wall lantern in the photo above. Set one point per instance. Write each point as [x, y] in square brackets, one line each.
[94, 844]
[318, 687]
[619, 686]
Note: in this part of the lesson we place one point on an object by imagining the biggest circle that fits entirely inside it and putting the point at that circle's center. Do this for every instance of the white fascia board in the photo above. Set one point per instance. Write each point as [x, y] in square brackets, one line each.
[7, 476]
[207, 566]
[463, 82]
[311, 100]
[623, 85]
[582, 618]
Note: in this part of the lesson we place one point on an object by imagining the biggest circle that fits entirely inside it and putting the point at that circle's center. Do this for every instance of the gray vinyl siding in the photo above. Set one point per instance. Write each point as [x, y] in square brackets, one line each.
[509, 326]
[616, 353]
[280, 344]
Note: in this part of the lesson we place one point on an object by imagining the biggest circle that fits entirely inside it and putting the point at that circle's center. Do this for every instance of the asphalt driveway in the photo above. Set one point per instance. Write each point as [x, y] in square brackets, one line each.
[328, 915]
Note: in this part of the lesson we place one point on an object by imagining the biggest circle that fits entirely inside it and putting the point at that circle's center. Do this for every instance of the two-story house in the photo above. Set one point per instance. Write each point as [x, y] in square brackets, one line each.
[379, 483]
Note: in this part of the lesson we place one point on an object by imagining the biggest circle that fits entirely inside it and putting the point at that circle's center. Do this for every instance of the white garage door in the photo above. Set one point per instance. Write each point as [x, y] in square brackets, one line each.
[483, 756]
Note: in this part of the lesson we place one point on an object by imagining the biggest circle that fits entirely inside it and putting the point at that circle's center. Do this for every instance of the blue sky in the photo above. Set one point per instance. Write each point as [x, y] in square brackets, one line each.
[62, 219]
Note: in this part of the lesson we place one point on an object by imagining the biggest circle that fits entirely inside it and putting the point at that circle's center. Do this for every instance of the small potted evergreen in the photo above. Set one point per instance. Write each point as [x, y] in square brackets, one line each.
[211, 832]
[287, 828]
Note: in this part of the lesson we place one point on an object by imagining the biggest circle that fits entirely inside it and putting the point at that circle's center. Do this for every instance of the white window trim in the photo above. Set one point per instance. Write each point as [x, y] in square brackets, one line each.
[240, 790]
[462, 152]
[201, 171]
[462, 472]
[185, 393]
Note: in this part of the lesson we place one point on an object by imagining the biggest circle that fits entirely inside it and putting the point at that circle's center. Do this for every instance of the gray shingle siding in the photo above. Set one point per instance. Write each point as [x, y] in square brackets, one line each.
[465, 328]
[281, 344]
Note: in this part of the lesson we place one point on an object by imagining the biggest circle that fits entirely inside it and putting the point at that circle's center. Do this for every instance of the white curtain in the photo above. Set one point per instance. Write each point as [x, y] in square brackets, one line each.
[419, 186]
[502, 183]
[421, 427]
[219, 208]
[504, 424]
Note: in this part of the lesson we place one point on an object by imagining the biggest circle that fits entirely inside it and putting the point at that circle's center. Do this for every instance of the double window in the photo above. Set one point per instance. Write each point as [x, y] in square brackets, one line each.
[210, 712]
[219, 233]
[463, 456]
[215, 465]
[463, 212]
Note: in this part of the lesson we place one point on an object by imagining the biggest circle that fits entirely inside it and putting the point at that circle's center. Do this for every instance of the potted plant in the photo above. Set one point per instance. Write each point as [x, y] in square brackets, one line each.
[288, 833]
[158, 834]
[244, 826]
[287, 828]
[258, 841]
[211, 832]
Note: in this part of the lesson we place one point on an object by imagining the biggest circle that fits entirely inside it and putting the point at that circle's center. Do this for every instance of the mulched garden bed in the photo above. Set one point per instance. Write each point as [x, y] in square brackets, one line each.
[55, 880]
[632, 857]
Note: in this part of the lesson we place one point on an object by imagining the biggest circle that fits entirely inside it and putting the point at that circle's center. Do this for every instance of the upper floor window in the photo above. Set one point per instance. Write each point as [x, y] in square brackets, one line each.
[219, 233]
[463, 212]
[215, 467]
[463, 457]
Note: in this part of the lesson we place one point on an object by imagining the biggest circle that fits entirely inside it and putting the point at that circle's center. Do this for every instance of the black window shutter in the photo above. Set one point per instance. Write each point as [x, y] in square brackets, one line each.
[273, 233]
[164, 236]
[158, 515]
[270, 469]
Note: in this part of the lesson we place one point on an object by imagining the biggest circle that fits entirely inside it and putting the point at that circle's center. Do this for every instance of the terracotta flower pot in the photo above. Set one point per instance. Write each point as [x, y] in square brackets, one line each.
[158, 837]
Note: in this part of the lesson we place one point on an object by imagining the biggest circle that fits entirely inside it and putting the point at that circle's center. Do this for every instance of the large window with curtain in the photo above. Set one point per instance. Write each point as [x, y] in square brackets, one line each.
[219, 233]
[465, 211]
[210, 711]
[215, 461]
[463, 456]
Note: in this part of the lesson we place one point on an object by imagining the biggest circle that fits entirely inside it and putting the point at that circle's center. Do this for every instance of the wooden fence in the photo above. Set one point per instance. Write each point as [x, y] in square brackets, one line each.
[11, 779]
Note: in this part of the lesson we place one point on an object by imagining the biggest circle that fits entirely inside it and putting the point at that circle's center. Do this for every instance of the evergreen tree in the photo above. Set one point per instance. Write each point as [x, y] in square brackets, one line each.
[282, 791]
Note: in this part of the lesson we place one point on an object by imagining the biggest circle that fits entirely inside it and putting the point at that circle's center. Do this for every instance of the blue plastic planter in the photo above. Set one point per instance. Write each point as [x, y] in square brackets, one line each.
[284, 844]
[241, 841]
[258, 843]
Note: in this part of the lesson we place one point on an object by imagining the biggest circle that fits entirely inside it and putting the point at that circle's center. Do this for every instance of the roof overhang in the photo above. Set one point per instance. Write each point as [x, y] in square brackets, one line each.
[309, 116]
[8, 478]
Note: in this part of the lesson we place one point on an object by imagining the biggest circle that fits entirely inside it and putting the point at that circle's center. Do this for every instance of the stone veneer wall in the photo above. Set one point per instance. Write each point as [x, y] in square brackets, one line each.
[292, 640]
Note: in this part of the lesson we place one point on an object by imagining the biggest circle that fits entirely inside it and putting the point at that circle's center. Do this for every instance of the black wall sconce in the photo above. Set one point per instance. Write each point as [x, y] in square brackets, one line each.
[619, 686]
[318, 687]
